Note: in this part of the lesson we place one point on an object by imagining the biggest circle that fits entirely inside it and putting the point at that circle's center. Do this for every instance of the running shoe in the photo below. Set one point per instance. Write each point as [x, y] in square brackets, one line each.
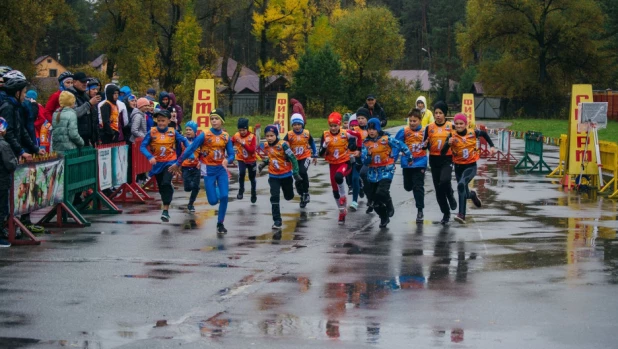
[475, 199]
[191, 208]
[354, 206]
[239, 196]
[342, 202]
[384, 221]
[277, 225]
[221, 229]
[4, 243]
[165, 216]
[460, 218]
[342, 215]
[420, 217]
[253, 197]
[445, 218]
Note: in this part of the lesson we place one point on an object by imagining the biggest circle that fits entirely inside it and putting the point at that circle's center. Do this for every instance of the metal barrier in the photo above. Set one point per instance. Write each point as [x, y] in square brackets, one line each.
[484, 151]
[503, 156]
[132, 191]
[558, 172]
[609, 160]
[533, 146]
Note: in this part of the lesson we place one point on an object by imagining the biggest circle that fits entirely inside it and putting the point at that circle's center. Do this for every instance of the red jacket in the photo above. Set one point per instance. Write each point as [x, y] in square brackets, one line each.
[298, 108]
[53, 103]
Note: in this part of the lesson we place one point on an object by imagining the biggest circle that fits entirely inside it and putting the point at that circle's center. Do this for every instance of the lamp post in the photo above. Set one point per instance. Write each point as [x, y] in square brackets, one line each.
[428, 54]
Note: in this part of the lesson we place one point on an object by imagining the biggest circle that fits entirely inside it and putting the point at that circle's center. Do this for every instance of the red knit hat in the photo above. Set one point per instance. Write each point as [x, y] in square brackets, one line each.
[334, 118]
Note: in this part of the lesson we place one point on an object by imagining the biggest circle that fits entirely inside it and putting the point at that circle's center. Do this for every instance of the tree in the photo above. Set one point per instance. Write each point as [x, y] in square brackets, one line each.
[319, 77]
[282, 25]
[368, 39]
[533, 49]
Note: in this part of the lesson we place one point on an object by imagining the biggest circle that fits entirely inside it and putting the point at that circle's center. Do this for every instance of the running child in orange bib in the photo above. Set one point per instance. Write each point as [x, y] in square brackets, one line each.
[282, 166]
[441, 164]
[245, 145]
[159, 147]
[462, 143]
[191, 176]
[302, 145]
[336, 146]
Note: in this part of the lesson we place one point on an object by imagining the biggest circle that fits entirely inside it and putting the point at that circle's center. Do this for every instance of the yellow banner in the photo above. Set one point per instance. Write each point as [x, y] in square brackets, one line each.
[204, 101]
[281, 113]
[577, 141]
[467, 108]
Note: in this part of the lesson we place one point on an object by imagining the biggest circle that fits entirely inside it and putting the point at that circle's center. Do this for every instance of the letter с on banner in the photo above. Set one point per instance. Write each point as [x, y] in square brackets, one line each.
[204, 102]
[281, 112]
[467, 108]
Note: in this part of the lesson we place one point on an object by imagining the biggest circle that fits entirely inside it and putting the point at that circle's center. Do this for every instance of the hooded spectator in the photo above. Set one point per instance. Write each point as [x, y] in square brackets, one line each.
[110, 116]
[94, 89]
[125, 92]
[65, 80]
[164, 100]
[31, 113]
[66, 134]
[174, 104]
[297, 108]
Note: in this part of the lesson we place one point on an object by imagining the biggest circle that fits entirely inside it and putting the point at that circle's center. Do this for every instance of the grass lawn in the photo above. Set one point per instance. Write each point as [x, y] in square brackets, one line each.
[554, 128]
[315, 125]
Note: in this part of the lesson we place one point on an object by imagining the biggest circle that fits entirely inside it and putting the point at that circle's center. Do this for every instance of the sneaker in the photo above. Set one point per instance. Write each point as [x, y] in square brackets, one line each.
[460, 218]
[354, 206]
[475, 199]
[369, 207]
[165, 216]
[4, 243]
[239, 196]
[303, 203]
[349, 191]
[342, 202]
[452, 202]
[277, 225]
[307, 198]
[391, 209]
[191, 208]
[253, 197]
[342, 215]
[420, 217]
[445, 218]
[221, 229]
[384, 222]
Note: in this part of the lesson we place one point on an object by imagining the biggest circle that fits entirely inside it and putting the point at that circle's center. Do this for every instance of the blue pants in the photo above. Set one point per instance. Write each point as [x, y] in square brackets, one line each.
[355, 182]
[216, 178]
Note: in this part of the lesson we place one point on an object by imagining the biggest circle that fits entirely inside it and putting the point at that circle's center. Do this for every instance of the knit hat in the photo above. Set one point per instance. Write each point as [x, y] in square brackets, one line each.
[353, 122]
[191, 124]
[442, 106]
[151, 91]
[31, 94]
[218, 112]
[346, 116]
[374, 123]
[462, 117]
[66, 99]
[272, 128]
[334, 118]
[363, 112]
[142, 102]
[297, 119]
[131, 98]
[3, 125]
[243, 123]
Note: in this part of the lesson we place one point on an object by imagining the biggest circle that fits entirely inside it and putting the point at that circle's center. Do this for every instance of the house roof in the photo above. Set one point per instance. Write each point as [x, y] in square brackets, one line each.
[412, 76]
[98, 61]
[478, 88]
[251, 83]
[231, 67]
[40, 59]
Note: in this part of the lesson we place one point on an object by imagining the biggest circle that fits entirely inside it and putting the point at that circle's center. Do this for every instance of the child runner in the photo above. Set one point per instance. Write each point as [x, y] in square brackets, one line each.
[414, 171]
[345, 123]
[216, 151]
[302, 145]
[426, 115]
[282, 166]
[362, 115]
[378, 153]
[441, 165]
[191, 175]
[159, 147]
[462, 143]
[335, 146]
[245, 144]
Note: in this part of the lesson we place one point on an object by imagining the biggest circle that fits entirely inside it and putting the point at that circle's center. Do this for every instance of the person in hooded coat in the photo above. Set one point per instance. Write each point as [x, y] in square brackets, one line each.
[297, 108]
[110, 116]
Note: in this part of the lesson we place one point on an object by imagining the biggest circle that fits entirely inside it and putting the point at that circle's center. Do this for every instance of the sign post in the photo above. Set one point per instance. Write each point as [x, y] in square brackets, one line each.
[467, 108]
[281, 113]
[204, 101]
[579, 153]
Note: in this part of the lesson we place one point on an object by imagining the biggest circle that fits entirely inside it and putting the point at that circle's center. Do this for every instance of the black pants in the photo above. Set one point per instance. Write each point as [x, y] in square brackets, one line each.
[276, 186]
[414, 181]
[164, 181]
[379, 194]
[191, 177]
[4, 205]
[302, 187]
[464, 175]
[441, 173]
[242, 171]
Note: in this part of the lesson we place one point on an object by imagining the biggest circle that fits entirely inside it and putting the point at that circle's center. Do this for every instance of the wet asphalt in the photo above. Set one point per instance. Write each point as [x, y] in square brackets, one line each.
[536, 267]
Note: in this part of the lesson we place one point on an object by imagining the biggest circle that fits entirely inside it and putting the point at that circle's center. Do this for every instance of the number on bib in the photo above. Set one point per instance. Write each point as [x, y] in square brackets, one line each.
[217, 155]
[245, 154]
[466, 153]
[299, 150]
[162, 151]
[276, 164]
[439, 144]
[416, 148]
[336, 153]
[377, 159]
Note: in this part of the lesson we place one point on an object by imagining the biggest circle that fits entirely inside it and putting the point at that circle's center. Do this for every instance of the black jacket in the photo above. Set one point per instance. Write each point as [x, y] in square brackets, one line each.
[86, 122]
[8, 164]
[16, 134]
[377, 112]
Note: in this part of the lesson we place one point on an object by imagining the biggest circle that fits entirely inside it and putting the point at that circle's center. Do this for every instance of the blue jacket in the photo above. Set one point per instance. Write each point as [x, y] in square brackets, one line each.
[376, 174]
[418, 162]
[159, 166]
